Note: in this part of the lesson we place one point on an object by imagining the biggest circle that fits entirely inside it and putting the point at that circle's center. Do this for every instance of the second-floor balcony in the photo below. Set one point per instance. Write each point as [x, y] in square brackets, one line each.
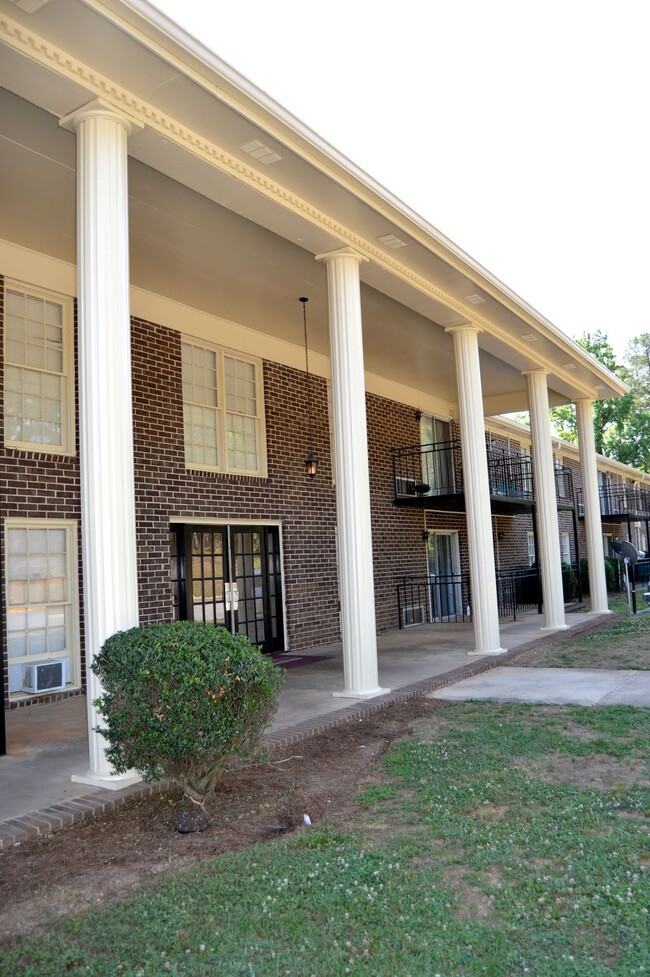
[430, 476]
[620, 502]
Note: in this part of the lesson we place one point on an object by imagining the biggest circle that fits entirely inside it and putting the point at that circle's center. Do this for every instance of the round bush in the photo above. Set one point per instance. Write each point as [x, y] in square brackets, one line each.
[181, 700]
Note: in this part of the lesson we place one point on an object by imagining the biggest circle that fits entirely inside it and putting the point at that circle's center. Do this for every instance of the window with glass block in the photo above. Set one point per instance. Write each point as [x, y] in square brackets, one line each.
[222, 410]
[41, 591]
[37, 330]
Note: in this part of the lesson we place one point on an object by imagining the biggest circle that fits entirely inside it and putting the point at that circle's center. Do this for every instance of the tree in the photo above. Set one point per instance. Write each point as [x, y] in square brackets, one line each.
[617, 431]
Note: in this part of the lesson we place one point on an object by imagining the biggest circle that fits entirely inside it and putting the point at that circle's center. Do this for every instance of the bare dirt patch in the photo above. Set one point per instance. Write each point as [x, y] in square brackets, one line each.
[94, 861]
[597, 771]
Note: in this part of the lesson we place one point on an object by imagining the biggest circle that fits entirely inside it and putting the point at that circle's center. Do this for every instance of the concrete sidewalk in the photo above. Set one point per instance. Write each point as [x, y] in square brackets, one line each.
[48, 743]
[556, 686]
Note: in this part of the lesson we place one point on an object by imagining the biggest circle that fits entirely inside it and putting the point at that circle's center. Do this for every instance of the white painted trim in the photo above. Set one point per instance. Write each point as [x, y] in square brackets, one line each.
[68, 420]
[73, 651]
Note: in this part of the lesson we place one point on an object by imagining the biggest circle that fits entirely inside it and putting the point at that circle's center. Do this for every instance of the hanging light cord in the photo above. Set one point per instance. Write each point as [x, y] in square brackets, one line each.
[309, 428]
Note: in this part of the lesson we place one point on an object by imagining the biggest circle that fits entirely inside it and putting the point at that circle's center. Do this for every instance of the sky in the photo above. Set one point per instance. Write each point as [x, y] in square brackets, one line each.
[518, 128]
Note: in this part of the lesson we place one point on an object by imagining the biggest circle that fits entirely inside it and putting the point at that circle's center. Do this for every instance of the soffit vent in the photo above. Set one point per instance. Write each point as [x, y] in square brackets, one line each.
[29, 6]
[474, 299]
[391, 241]
[260, 152]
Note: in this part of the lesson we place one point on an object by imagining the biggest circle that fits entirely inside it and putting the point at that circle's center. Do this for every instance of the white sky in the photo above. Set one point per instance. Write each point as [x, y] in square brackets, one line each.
[519, 128]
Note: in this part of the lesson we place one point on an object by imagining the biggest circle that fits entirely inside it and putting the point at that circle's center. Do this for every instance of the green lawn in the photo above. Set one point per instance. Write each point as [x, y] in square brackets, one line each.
[622, 642]
[501, 840]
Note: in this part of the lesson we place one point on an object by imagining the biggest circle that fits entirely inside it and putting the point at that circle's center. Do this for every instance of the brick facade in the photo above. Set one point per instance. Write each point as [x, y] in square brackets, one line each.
[39, 485]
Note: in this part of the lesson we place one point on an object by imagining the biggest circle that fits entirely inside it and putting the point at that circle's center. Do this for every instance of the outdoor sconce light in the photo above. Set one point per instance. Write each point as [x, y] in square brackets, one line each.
[311, 461]
[425, 535]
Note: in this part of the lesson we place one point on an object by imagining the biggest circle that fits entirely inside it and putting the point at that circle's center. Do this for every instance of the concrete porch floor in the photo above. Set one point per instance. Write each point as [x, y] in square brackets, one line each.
[46, 744]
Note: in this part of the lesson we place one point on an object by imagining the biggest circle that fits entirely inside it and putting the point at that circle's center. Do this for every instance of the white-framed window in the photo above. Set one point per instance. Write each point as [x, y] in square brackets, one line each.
[223, 410]
[41, 597]
[38, 364]
[565, 548]
[532, 555]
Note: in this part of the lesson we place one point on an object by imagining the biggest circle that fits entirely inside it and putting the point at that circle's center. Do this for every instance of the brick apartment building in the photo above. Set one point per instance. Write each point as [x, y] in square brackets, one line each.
[161, 220]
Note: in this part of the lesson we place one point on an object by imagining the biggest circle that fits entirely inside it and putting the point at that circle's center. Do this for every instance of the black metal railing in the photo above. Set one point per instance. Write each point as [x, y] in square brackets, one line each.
[428, 470]
[444, 598]
[423, 471]
[619, 500]
[519, 591]
[510, 474]
[564, 492]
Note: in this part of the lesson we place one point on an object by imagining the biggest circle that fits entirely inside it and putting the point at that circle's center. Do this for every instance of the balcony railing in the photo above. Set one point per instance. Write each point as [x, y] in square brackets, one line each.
[434, 471]
[436, 599]
[620, 500]
[519, 591]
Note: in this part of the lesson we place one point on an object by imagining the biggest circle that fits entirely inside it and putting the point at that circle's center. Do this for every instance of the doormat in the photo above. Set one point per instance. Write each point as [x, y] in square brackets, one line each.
[295, 661]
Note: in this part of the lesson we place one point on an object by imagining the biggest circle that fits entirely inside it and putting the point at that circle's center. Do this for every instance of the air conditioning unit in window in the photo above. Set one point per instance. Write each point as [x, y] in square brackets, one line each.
[44, 676]
[412, 616]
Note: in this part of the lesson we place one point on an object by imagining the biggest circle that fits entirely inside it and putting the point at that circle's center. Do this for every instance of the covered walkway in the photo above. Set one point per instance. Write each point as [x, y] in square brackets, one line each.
[47, 744]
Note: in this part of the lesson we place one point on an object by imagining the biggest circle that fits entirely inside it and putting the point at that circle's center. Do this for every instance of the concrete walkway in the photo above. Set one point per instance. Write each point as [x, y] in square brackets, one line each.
[556, 686]
[48, 743]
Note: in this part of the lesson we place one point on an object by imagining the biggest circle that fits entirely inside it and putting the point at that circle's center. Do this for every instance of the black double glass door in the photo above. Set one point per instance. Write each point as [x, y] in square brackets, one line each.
[230, 576]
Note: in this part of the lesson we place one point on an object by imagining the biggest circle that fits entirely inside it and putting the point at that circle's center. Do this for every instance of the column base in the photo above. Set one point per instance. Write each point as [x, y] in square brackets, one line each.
[598, 613]
[492, 651]
[555, 627]
[107, 781]
[363, 694]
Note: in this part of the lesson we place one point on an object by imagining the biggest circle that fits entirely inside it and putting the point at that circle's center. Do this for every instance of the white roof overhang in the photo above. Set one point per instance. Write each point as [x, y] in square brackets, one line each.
[216, 230]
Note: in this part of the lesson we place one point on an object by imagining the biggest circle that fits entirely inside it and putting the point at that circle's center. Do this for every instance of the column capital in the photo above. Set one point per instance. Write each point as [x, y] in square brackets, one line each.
[99, 109]
[464, 327]
[346, 252]
[585, 400]
[536, 371]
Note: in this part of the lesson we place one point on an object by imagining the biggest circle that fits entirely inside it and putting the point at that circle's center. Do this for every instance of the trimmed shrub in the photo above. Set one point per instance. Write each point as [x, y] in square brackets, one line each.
[181, 700]
[612, 575]
[569, 583]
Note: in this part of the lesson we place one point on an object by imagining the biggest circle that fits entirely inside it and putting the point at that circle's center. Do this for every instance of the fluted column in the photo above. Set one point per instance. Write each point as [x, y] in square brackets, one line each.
[476, 485]
[546, 499]
[591, 497]
[359, 631]
[105, 403]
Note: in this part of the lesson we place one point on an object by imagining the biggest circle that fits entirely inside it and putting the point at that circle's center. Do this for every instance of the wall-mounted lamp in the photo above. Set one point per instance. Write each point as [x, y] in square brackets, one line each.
[418, 415]
[311, 461]
[425, 535]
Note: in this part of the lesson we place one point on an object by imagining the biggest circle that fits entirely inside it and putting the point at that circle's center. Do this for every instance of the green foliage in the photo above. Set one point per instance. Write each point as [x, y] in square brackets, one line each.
[182, 700]
[569, 583]
[611, 574]
[611, 417]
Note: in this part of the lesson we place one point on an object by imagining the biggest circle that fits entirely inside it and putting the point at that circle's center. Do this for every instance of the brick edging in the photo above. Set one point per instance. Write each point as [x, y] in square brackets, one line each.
[53, 818]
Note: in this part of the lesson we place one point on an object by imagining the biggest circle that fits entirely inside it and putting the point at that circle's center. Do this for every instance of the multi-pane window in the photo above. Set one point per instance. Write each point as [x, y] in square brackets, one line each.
[222, 410]
[565, 548]
[41, 592]
[37, 369]
[532, 555]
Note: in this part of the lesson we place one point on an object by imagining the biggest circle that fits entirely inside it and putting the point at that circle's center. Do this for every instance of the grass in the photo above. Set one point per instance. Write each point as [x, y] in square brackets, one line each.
[622, 643]
[480, 851]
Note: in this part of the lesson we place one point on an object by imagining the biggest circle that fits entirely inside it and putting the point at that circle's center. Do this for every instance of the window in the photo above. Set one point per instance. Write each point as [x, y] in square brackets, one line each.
[565, 548]
[222, 411]
[38, 368]
[532, 555]
[41, 596]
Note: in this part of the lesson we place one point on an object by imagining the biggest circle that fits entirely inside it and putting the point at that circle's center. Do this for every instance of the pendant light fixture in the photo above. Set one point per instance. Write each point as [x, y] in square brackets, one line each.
[311, 461]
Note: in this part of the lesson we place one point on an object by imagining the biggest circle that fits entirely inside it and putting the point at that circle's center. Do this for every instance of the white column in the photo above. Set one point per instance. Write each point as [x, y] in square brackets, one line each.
[476, 485]
[544, 480]
[105, 412]
[359, 630]
[593, 523]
